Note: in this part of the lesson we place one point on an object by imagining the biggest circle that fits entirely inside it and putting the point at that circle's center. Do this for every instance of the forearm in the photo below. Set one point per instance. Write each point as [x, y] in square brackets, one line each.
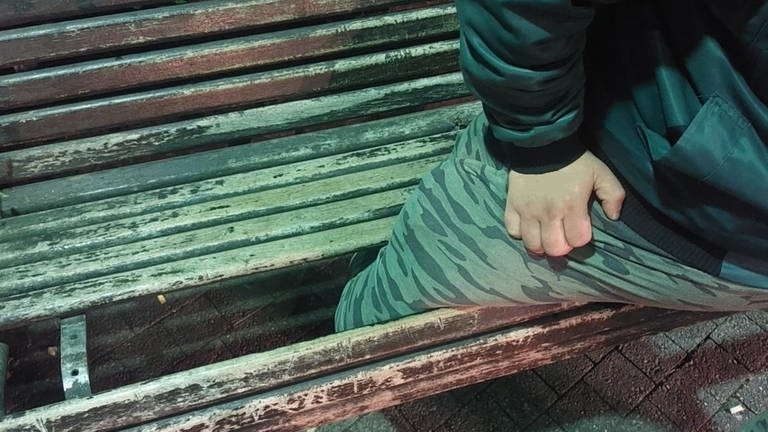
[523, 59]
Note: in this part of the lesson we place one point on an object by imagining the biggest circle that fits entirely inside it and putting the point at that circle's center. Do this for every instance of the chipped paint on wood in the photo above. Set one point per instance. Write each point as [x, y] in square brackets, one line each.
[332, 398]
[182, 63]
[132, 29]
[67, 156]
[226, 211]
[151, 107]
[274, 369]
[67, 195]
[527, 340]
[15, 13]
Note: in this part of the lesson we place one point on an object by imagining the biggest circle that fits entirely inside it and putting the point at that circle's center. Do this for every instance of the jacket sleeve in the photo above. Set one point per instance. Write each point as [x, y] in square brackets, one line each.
[523, 60]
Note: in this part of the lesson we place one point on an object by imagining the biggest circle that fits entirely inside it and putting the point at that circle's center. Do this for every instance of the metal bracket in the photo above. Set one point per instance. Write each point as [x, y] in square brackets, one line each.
[74, 358]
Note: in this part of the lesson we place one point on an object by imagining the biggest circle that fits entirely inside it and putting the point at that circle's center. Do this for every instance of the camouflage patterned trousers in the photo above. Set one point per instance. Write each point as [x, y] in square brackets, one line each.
[449, 247]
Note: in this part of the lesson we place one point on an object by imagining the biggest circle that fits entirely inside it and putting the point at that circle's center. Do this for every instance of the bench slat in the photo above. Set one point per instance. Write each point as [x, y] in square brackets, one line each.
[213, 240]
[384, 384]
[198, 387]
[91, 153]
[152, 26]
[154, 67]
[193, 272]
[32, 200]
[211, 213]
[157, 106]
[15, 13]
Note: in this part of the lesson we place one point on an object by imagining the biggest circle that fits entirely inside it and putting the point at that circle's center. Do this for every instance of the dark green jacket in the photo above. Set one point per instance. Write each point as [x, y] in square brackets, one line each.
[673, 98]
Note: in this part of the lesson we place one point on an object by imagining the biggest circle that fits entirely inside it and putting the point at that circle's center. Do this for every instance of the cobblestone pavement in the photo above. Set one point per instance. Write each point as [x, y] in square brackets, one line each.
[711, 376]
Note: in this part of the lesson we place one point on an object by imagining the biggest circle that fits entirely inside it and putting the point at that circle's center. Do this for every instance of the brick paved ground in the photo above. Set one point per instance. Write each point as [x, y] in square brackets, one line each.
[708, 377]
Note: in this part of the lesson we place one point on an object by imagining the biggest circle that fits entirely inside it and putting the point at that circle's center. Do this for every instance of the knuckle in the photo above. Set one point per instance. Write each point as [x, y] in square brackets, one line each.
[582, 240]
[559, 251]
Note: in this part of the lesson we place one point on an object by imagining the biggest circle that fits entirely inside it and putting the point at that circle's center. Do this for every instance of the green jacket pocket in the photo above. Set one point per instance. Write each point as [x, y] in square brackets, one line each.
[714, 179]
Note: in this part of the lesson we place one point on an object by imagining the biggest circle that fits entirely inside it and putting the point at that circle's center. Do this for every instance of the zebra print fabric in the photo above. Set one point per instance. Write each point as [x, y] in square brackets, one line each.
[449, 247]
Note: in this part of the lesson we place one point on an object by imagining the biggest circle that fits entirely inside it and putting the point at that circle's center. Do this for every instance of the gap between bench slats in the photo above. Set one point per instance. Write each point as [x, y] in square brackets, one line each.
[252, 373]
[34, 199]
[456, 364]
[133, 29]
[98, 152]
[237, 208]
[162, 105]
[152, 68]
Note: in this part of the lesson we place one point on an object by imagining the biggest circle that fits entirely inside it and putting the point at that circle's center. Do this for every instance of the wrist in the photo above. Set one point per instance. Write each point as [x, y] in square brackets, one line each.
[536, 160]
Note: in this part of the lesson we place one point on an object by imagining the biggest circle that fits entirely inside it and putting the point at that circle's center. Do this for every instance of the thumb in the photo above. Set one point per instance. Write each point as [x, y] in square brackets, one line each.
[609, 192]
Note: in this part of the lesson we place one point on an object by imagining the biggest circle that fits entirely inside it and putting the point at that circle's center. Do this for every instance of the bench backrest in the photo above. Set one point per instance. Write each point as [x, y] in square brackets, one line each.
[89, 92]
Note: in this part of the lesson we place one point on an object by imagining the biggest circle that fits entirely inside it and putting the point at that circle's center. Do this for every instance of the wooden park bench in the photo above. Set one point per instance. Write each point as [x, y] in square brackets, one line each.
[156, 146]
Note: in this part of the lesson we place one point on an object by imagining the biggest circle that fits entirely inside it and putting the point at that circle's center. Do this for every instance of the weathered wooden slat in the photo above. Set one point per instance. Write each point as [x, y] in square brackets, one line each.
[133, 29]
[61, 243]
[156, 106]
[93, 153]
[384, 384]
[154, 67]
[91, 187]
[16, 13]
[245, 375]
[100, 262]
[192, 272]
[218, 188]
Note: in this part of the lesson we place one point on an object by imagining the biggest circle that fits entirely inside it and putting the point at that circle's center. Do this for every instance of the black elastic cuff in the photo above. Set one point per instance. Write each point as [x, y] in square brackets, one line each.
[535, 160]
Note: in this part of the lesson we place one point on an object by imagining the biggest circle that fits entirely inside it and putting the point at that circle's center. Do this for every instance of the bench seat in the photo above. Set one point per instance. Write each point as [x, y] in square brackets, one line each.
[64, 260]
[150, 147]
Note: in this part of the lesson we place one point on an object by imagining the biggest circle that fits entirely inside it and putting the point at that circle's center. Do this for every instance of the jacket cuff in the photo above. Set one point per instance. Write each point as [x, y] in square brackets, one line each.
[535, 160]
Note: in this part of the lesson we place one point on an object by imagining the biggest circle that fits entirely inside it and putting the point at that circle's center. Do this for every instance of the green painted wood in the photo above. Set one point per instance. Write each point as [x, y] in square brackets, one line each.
[217, 188]
[256, 373]
[93, 153]
[101, 262]
[197, 271]
[140, 28]
[30, 250]
[91, 187]
[182, 63]
[161, 105]
[16, 13]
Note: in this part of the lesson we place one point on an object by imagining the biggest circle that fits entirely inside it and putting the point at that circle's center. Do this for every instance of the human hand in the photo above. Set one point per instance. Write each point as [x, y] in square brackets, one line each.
[549, 211]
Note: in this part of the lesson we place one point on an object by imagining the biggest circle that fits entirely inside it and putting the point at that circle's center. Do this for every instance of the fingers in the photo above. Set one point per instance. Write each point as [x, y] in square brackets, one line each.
[531, 235]
[609, 192]
[553, 238]
[556, 237]
[512, 222]
[578, 229]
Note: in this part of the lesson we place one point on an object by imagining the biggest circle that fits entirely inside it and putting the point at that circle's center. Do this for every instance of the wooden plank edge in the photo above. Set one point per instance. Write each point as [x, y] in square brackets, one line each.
[90, 78]
[144, 27]
[66, 157]
[192, 272]
[147, 108]
[25, 200]
[202, 386]
[35, 11]
[387, 383]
